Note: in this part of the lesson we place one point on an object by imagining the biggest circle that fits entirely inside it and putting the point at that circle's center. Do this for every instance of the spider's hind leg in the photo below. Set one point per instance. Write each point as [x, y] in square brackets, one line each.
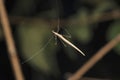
[56, 39]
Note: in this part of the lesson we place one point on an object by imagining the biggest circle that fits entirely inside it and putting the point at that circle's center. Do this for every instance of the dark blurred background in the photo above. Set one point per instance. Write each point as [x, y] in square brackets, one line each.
[97, 33]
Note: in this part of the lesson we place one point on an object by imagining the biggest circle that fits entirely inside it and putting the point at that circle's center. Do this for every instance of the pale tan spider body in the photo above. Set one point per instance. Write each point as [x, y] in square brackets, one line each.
[67, 42]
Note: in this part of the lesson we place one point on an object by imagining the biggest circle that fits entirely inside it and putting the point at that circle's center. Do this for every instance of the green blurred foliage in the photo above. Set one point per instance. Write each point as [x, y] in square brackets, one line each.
[113, 32]
[81, 31]
[33, 37]
[101, 8]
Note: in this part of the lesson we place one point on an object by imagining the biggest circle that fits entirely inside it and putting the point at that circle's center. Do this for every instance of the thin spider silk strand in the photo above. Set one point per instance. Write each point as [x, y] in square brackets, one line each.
[38, 52]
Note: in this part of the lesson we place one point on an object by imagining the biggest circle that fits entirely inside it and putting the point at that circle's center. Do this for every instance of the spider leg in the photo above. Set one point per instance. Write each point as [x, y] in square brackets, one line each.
[63, 43]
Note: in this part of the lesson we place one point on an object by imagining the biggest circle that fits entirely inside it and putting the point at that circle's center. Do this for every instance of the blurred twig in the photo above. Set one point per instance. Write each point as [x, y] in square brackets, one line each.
[10, 42]
[115, 14]
[100, 54]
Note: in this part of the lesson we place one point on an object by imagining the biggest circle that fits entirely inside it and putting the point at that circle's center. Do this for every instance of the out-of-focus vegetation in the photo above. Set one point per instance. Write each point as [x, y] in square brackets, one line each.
[36, 39]
[113, 31]
[33, 36]
[36, 36]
